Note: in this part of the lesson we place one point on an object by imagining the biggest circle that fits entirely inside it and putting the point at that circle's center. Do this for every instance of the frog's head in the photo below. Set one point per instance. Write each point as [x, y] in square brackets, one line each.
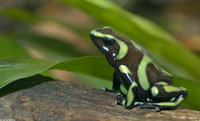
[109, 43]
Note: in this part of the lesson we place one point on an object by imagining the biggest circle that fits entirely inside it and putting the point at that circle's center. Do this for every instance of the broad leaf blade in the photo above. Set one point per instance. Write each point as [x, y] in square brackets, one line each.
[89, 65]
[12, 69]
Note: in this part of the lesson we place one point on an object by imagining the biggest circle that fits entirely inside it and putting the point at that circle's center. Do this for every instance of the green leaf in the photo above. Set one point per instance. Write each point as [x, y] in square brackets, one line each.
[12, 69]
[9, 48]
[165, 49]
[95, 82]
[91, 65]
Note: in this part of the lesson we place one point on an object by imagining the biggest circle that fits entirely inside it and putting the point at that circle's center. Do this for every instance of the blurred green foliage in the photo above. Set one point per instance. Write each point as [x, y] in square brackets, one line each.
[166, 50]
[7, 46]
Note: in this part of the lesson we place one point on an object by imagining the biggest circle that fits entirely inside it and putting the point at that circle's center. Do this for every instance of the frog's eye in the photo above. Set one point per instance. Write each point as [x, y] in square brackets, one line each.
[108, 41]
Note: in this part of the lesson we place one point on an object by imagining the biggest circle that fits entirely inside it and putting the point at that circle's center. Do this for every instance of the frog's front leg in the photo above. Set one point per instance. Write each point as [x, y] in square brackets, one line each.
[116, 84]
[175, 93]
[128, 101]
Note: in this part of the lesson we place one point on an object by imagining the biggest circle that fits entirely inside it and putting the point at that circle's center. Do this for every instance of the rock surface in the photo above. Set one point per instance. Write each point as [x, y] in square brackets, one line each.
[64, 101]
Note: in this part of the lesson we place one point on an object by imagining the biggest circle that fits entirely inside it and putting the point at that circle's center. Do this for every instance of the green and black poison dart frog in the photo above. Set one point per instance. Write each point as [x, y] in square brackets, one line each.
[146, 82]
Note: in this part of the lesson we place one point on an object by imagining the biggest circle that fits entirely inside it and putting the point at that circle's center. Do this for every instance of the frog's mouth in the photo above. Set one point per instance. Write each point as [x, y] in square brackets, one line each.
[92, 37]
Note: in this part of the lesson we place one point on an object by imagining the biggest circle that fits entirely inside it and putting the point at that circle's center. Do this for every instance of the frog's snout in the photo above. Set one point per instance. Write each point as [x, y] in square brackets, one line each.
[92, 36]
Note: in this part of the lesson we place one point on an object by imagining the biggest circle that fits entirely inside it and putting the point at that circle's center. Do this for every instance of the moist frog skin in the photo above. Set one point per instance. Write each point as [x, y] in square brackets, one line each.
[147, 84]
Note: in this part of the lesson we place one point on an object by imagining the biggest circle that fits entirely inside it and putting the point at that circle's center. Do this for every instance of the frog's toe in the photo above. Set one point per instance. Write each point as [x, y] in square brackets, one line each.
[118, 102]
[118, 94]
[138, 103]
[148, 106]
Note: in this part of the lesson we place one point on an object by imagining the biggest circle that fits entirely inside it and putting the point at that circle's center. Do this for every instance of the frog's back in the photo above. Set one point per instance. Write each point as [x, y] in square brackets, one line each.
[143, 67]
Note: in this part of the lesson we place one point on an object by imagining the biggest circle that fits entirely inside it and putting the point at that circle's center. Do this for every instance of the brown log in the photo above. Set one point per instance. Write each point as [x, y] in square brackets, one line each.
[64, 101]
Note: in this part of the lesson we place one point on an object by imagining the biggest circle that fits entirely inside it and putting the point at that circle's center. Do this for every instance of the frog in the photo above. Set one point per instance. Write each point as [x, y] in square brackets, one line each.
[147, 84]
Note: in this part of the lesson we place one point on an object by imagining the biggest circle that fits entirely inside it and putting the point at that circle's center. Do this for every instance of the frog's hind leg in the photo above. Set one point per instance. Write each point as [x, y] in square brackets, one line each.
[175, 93]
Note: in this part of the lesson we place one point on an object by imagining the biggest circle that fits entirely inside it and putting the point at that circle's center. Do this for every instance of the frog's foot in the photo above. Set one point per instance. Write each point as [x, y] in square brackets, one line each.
[120, 97]
[120, 100]
[138, 103]
[167, 105]
[148, 106]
